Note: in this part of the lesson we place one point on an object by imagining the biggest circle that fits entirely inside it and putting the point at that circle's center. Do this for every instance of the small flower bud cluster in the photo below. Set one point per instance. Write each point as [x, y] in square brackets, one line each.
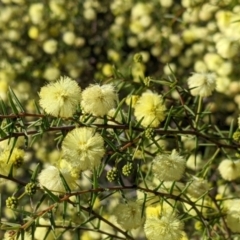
[149, 133]
[112, 174]
[31, 188]
[11, 202]
[127, 169]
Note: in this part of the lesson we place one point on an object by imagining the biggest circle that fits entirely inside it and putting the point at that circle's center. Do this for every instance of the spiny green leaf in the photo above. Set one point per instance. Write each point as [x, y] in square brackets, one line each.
[51, 195]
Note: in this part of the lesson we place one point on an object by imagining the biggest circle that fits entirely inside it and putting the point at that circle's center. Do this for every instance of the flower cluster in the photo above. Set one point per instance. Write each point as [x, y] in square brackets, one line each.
[61, 98]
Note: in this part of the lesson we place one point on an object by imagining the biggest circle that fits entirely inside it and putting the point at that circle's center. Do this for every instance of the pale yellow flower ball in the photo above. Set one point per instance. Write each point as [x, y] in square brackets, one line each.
[132, 99]
[107, 69]
[207, 10]
[166, 226]
[195, 162]
[213, 61]
[58, 9]
[69, 38]
[98, 100]
[168, 167]
[60, 98]
[225, 69]
[166, 3]
[170, 68]
[89, 14]
[41, 232]
[36, 12]
[202, 84]
[129, 215]
[150, 109]
[229, 170]
[233, 220]
[51, 73]
[50, 178]
[227, 48]
[198, 187]
[50, 46]
[83, 148]
[233, 214]
[223, 84]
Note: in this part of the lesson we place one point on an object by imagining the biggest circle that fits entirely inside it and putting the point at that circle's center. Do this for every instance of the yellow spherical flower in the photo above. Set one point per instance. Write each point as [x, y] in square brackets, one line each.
[98, 100]
[165, 226]
[229, 170]
[233, 214]
[50, 178]
[61, 98]
[202, 84]
[233, 221]
[198, 187]
[129, 216]
[168, 167]
[50, 46]
[83, 148]
[150, 109]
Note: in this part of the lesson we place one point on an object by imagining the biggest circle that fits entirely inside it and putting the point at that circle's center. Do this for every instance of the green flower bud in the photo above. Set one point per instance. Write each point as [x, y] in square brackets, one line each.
[11, 202]
[236, 136]
[127, 169]
[112, 174]
[149, 133]
[31, 188]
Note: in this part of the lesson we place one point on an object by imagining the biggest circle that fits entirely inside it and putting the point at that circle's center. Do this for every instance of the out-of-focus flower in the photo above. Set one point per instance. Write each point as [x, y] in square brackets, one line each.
[229, 170]
[50, 178]
[150, 109]
[198, 187]
[233, 221]
[202, 84]
[50, 46]
[51, 73]
[129, 216]
[168, 167]
[42, 232]
[233, 214]
[61, 98]
[98, 100]
[162, 223]
[195, 162]
[36, 12]
[15, 157]
[83, 148]
[69, 38]
[227, 48]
